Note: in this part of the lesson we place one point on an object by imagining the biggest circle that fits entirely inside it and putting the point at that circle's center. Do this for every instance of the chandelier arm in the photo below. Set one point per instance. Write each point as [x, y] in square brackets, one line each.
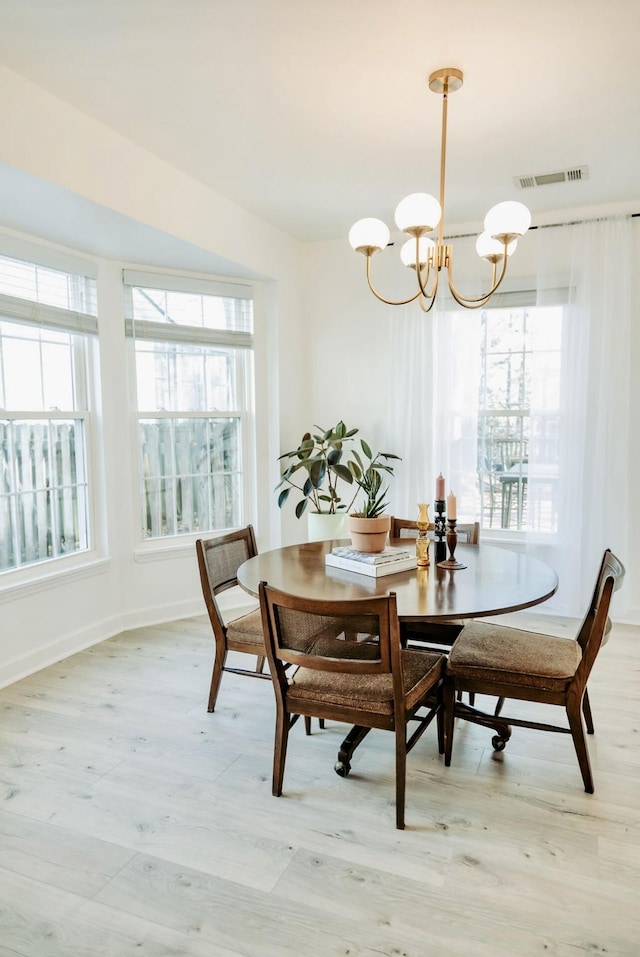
[429, 307]
[422, 283]
[429, 297]
[473, 302]
[425, 294]
[388, 302]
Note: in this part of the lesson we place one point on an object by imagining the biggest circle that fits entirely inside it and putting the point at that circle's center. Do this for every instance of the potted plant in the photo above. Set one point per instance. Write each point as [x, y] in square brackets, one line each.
[317, 469]
[369, 526]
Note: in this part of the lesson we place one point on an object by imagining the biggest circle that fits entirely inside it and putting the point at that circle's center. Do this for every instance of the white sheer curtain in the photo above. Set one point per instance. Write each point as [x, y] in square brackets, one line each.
[411, 408]
[594, 465]
[435, 402]
[456, 384]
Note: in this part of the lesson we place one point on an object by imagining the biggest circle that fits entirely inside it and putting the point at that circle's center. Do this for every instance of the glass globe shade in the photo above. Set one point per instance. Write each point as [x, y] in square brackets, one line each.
[408, 250]
[369, 232]
[487, 246]
[419, 210]
[508, 217]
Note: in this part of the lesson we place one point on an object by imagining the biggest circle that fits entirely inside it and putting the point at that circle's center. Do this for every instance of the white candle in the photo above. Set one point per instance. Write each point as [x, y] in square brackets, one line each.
[451, 506]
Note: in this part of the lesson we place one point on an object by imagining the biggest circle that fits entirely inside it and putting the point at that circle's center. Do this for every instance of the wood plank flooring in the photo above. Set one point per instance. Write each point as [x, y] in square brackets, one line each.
[134, 823]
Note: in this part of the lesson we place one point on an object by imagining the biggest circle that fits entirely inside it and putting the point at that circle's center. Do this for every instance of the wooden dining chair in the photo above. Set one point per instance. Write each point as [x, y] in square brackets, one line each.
[432, 634]
[218, 560]
[352, 669]
[509, 663]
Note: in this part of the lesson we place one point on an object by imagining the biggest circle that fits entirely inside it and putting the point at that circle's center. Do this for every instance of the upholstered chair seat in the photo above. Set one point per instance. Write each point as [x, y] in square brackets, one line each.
[247, 631]
[420, 671]
[489, 652]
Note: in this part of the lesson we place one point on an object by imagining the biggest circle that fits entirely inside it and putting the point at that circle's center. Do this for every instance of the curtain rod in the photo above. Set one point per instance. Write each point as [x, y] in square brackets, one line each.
[572, 222]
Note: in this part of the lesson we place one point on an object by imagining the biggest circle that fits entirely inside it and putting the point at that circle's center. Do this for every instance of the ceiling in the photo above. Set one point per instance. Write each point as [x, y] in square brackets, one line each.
[312, 115]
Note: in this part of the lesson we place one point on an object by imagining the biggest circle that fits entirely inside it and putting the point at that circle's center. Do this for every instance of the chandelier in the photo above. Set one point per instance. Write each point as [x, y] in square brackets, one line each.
[420, 213]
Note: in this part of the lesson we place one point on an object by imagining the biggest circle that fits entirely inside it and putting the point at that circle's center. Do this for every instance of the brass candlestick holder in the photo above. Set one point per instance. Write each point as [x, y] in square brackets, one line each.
[452, 541]
[422, 542]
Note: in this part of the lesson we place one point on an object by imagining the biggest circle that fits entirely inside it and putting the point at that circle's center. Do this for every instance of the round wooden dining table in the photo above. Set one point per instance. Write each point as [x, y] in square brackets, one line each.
[495, 581]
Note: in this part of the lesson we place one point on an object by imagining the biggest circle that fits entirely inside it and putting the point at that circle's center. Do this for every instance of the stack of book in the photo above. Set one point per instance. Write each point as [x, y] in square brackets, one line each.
[388, 562]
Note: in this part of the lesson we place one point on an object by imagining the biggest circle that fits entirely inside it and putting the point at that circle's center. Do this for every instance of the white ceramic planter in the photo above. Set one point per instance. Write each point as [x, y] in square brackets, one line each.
[322, 527]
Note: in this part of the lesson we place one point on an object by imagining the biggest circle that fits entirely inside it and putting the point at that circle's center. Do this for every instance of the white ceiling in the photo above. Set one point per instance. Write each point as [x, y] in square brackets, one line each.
[312, 115]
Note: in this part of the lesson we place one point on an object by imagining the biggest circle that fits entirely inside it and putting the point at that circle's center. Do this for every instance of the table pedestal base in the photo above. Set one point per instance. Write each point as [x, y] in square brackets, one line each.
[467, 712]
[348, 746]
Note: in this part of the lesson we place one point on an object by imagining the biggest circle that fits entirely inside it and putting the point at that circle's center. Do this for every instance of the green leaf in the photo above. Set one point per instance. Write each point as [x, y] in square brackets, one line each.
[343, 472]
[317, 473]
[283, 496]
[306, 446]
[301, 507]
[295, 453]
[308, 487]
[366, 449]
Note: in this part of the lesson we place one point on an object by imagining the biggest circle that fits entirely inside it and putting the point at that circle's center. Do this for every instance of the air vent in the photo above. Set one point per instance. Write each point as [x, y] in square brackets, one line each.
[574, 175]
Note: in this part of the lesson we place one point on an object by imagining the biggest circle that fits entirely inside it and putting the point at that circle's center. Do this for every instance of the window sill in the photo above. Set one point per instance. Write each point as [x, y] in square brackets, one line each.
[24, 582]
[158, 551]
[174, 546]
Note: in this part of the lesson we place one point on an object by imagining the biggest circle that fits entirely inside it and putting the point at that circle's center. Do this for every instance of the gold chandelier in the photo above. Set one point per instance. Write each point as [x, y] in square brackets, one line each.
[420, 213]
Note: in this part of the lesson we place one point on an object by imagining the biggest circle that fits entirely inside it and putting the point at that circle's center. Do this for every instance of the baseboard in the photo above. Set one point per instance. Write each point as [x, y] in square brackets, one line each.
[49, 654]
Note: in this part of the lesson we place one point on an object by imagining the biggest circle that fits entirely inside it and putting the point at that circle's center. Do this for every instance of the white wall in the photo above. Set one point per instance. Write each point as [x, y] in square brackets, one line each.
[42, 621]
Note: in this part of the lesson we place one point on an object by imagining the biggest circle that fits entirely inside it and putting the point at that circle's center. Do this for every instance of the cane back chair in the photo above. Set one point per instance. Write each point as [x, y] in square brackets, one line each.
[351, 669]
[510, 663]
[218, 560]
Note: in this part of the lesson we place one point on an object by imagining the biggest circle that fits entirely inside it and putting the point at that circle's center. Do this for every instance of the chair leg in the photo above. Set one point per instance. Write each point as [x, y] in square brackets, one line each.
[216, 677]
[449, 706]
[586, 710]
[440, 729]
[307, 724]
[574, 715]
[280, 750]
[499, 707]
[260, 664]
[401, 774]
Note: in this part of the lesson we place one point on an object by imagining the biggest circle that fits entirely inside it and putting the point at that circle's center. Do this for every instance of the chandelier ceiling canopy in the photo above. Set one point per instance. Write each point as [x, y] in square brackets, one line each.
[420, 214]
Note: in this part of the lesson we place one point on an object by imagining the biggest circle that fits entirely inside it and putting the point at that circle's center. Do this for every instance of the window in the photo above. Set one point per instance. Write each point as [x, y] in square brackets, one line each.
[46, 317]
[194, 386]
[518, 417]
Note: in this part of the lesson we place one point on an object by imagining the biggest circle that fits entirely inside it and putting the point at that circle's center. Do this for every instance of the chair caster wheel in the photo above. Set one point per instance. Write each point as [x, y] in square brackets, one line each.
[498, 743]
[342, 768]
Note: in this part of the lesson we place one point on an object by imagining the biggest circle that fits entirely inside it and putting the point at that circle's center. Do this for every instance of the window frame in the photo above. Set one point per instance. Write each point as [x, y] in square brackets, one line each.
[82, 327]
[514, 302]
[241, 342]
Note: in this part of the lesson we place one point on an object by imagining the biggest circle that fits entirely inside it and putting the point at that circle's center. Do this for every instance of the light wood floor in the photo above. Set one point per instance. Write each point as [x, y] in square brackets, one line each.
[134, 823]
